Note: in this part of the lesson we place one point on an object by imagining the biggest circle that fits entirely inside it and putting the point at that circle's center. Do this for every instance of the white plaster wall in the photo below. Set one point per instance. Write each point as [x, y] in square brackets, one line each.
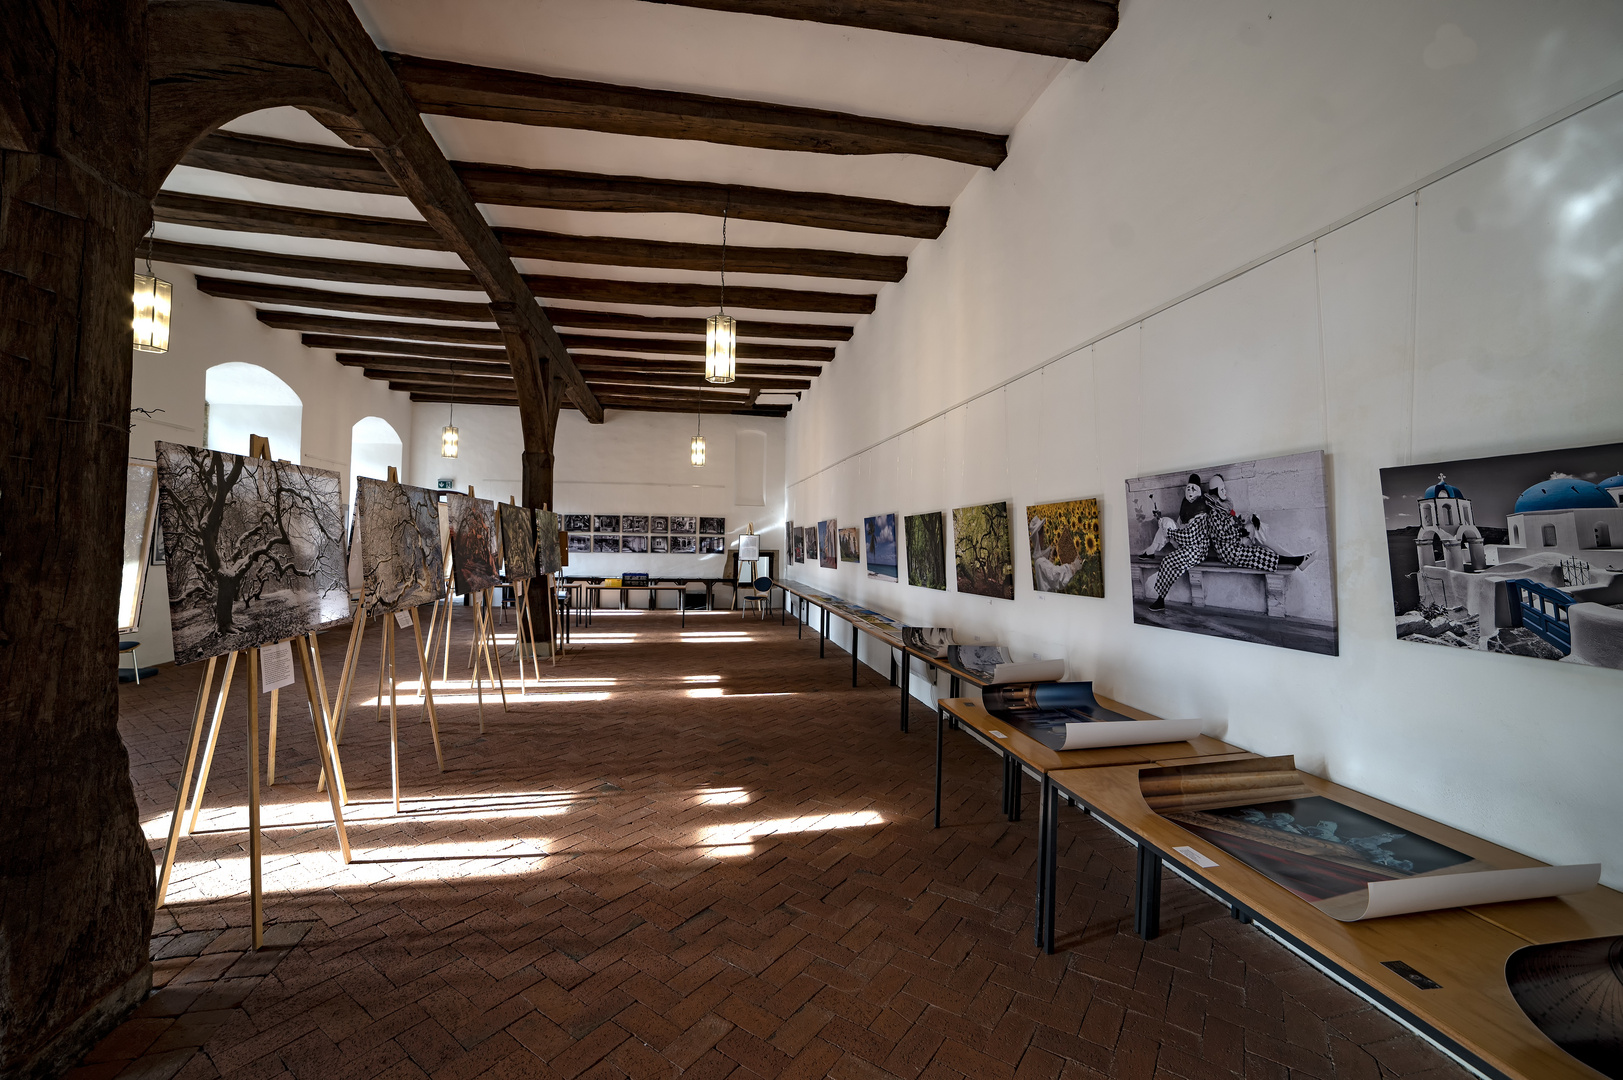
[205, 331]
[633, 463]
[1479, 316]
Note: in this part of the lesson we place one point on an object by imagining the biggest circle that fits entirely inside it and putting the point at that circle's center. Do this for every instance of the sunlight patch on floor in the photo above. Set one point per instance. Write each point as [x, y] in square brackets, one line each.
[742, 834]
[727, 796]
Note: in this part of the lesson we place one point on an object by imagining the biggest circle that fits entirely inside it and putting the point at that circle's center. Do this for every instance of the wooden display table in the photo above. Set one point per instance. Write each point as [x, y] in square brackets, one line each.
[863, 621]
[1442, 971]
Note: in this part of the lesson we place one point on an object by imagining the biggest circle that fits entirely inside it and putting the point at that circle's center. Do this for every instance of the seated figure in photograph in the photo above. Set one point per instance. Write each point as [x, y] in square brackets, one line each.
[1209, 526]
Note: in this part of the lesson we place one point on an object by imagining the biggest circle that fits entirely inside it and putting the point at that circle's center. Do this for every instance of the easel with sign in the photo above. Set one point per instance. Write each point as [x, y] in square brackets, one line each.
[352, 657]
[749, 551]
[301, 647]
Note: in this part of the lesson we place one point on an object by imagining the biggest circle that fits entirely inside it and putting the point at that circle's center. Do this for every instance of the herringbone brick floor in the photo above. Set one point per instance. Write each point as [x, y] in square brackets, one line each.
[691, 853]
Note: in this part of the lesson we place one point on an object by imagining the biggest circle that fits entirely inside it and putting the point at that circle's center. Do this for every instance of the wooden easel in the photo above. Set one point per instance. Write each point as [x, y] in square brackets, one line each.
[524, 632]
[258, 447]
[352, 657]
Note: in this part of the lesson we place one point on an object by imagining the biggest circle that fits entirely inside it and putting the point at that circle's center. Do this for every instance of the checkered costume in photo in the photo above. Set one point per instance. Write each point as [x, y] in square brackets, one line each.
[1189, 543]
[1229, 542]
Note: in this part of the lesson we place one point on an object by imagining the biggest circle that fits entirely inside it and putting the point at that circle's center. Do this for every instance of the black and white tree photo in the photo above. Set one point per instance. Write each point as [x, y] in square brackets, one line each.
[254, 549]
[473, 543]
[547, 558]
[397, 529]
[518, 541]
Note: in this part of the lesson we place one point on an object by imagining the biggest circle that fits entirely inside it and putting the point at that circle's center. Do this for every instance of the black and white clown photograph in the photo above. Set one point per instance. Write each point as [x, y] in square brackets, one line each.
[1239, 550]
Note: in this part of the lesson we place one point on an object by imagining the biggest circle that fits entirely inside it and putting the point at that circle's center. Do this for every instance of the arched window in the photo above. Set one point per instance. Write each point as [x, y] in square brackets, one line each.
[1425, 513]
[1448, 513]
[373, 447]
[245, 399]
[1549, 536]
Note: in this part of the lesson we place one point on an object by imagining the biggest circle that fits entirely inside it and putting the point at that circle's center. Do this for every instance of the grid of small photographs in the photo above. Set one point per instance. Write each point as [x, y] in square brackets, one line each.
[645, 534]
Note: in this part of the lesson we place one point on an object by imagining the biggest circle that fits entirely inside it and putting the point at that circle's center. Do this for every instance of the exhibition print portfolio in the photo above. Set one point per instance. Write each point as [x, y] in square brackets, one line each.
[473, 543]
[1239, 550]
[1067, 554]
[981, 542]
[397, 532]
[927, 550]
[1519, 555]
[254, 549]
[879, 533]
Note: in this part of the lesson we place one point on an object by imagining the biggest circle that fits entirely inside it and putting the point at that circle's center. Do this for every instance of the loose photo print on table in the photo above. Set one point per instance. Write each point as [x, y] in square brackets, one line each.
[518, 541]
[1239, 550]
[1067, 552]
[1520, 555]
[981, 545]
[879, 537]
[828, 555]
[254, 549]
[474, 556]
[712, 526]
[684, 545]
[850, 544]
[684, 526]
[577, 523]
[659, 524]
[927, 550]
[397, 536]
[605, 523]
[634, 523]
[580, 542]
[609, 545]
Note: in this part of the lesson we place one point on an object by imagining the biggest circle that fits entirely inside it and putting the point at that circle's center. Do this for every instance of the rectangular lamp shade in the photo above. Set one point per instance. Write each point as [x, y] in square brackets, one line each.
[720, 349]
[696, 451]
[151, 322]
[449, 439]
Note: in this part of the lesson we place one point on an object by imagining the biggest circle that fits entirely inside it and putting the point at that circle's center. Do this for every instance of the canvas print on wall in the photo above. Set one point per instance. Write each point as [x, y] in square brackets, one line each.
[1239, 550]
[684, 526]
[927, 550]
[712, 545]
[397, 534]
[577, 522]
[548, 559]
[580, 542]
[659, 524]
[635, 544]
[799, 544]
[850, 545]
[605, 523]
[634, 523]
[712, 526]
[981, 545]
[518, 541]
[828, 555]
[879, 537]
[473, 543]
[811, 542]
[253, 548]
[606, 544]
[659, 545]
[1521, 554]
[1067, 554]
[684, 545]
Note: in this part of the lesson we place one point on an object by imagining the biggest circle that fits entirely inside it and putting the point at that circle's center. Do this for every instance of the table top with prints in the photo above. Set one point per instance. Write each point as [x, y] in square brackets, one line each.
[1008, 736]
[1464, 949]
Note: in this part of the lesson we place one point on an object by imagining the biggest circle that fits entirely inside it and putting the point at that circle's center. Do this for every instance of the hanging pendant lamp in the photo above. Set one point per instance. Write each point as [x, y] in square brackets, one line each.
[449, 437]
[696, 445]
[152, 296]
[721, 329]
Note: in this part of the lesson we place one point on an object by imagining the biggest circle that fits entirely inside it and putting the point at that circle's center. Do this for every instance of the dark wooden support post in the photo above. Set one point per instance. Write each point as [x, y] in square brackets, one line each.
[76, 877]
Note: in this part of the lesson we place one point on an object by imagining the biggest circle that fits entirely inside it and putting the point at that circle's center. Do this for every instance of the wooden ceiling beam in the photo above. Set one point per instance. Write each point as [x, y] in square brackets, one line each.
[237, 215]
[586, 290]
[468, 335]
[379, 354]
[520, 97]
[340, 169]
[475, 375]
[1073, 29]
[743, 409]
[347, 344]
[608, 362]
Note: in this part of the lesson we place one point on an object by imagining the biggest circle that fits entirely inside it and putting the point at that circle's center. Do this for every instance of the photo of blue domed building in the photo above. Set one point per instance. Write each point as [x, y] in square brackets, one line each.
[1521, 554]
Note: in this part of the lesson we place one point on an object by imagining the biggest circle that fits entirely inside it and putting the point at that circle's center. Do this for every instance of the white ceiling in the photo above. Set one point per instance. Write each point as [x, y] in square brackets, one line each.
[670, 47]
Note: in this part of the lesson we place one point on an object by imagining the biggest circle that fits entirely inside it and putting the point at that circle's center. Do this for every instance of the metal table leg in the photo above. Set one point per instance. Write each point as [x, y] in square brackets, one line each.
[940, 722]
[906, 704]
[1047, 864]
[1147, 902]
[822, 633]
[1017, 781]
[854, 653]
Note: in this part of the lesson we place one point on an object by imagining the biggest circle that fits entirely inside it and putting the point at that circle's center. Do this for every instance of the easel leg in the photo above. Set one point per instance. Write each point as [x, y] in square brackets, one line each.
[394, 722]
[188, 764]
[427, 688]
[270, 754]
[327, 719]
[427, 649]
[383, 666]
[518, 634]
[256, 885]
[346, 675]
[492, 649]
[214, 738]
[478, 682]
[326, 765]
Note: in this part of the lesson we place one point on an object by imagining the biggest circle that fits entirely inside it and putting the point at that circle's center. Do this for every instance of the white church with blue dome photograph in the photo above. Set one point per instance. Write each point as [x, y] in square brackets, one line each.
[1519, 555]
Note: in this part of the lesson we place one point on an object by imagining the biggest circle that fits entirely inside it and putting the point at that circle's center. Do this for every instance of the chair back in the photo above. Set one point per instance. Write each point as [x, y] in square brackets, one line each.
[763, 584]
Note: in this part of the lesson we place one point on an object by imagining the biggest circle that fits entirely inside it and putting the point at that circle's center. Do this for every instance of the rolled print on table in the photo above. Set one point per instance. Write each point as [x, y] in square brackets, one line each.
[1128, 733]
[1445, 890]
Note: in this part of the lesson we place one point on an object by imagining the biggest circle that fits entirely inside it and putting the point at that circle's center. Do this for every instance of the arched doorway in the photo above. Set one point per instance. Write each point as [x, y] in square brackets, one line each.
[374, 446]
[246, 399]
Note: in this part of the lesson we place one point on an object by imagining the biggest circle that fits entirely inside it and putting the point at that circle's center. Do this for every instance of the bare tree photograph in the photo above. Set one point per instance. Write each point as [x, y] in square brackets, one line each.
[397, 532]
[473, 543]
[251, 547]
[548, 560]
[518, 541]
